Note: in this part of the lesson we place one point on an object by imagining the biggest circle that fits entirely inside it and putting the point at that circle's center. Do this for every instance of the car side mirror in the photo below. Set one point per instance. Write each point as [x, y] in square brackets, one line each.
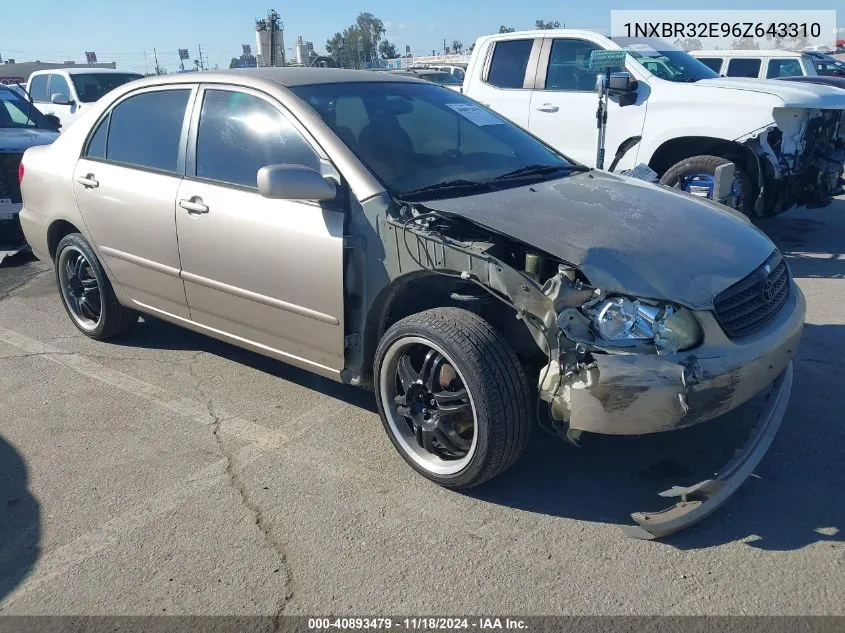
[53, 120]
[60, 98]
[624, 86]
[294, 182]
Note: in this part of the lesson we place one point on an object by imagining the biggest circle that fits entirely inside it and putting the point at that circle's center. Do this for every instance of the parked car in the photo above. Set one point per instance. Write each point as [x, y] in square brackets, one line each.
[782, 65]
[678, 117]
[434, 76]
[760, 64]
[380, 231]
[65, 92]
[21, 126]
[458, 71]
[827, 66]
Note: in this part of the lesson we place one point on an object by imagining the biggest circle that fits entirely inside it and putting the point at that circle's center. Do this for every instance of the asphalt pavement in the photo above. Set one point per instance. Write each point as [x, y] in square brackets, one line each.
[167, 473]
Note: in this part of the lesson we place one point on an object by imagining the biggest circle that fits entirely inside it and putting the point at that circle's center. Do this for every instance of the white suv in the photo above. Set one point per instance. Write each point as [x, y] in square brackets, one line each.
[757, 64]
[65, 92]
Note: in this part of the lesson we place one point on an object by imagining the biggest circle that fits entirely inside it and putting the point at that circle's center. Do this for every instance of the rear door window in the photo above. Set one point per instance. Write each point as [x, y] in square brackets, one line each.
[145, 129]
[783, 68]
[509, 63]
[238, 134]
[744, 67]
[38, 89]
[713, 63]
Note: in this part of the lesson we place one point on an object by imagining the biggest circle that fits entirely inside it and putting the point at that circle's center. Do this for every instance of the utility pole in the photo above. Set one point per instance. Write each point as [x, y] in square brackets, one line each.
[202, 61]
[146, 68]
[155, 54]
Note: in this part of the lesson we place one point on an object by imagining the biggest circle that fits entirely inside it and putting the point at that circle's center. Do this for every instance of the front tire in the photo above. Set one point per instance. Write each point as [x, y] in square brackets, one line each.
[87, 294]
[695, 174]
[452, 396]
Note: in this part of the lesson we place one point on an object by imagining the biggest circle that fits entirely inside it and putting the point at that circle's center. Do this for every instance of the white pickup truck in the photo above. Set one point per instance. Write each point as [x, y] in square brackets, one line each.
[679, 117]
[66, 92]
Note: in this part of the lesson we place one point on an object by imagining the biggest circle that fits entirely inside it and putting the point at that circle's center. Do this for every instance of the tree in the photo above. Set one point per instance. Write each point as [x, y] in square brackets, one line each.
[506, 29]
[541, 24]
[745, 44]
[689, 44]
[358, 43]
[457, 46]
[387, 50]
[235, 63]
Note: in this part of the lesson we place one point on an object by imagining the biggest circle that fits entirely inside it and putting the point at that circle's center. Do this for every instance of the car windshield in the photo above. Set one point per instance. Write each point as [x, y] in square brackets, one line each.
[91, 86]
[422, 141]
[15, 111]
[664, 60]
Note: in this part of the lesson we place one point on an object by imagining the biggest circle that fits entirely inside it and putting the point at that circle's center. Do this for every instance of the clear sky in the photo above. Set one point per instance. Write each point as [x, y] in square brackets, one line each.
[57, 30]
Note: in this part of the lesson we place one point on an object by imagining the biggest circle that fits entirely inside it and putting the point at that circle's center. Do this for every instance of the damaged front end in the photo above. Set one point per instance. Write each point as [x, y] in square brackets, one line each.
[619, 364]
[801, 158]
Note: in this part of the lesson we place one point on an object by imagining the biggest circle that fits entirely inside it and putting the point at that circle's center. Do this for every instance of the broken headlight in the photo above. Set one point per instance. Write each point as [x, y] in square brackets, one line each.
[619, 318]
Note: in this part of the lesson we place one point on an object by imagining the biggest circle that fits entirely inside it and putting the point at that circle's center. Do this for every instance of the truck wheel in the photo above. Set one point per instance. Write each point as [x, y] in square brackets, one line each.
[86, 292]
[695, 175]
[452, 396]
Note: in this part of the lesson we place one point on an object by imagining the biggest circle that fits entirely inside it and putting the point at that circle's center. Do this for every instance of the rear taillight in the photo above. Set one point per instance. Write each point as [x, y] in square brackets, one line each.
[20, 174]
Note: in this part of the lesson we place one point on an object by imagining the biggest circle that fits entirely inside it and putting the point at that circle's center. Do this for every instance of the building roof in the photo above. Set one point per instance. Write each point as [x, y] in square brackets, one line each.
[85, 70]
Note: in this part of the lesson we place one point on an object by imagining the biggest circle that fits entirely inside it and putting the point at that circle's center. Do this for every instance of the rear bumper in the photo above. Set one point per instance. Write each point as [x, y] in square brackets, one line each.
[34, 227]
[702, 499]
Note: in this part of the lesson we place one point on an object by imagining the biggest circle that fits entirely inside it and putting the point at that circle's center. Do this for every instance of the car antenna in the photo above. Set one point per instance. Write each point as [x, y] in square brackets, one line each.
[603, 61]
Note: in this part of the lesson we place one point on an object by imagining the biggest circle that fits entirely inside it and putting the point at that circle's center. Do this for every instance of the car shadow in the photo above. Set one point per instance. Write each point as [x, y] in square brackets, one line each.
[811, 239]
[20, 521]
[794, 499]
[153, 333]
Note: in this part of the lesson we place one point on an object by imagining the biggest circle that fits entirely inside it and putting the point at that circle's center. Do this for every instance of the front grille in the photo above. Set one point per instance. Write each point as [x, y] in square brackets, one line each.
[748, 305]
[9, 185]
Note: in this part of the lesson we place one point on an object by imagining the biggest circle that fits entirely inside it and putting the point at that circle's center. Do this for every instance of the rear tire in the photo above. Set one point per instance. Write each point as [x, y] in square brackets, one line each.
[86, 293]
[471, 438]
[680, 174]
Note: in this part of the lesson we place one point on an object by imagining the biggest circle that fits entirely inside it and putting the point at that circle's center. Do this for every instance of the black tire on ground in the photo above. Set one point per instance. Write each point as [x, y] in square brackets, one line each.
[490, 372]
[115, 319]
[707, 165]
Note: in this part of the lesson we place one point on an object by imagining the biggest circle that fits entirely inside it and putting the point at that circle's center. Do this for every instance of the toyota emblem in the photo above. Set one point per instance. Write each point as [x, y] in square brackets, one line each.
[768, 291]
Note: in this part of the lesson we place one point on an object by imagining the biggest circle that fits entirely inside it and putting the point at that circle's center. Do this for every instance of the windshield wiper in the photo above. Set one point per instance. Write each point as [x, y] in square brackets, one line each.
[539, 170]
[447, 186]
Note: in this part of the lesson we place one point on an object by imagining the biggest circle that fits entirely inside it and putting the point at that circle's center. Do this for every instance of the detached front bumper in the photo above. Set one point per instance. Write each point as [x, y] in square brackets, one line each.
[704, 498]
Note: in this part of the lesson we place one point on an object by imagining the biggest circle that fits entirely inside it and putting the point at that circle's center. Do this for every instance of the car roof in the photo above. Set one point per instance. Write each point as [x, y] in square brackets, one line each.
[299, 76]
[773, 52]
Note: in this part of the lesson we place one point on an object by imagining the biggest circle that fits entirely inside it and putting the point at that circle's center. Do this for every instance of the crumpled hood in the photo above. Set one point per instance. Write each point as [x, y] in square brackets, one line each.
[794, 95]
[19, 139]
[626, 235]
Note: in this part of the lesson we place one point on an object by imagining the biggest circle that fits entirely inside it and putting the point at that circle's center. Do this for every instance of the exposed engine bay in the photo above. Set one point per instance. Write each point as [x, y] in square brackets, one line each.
[801, 158]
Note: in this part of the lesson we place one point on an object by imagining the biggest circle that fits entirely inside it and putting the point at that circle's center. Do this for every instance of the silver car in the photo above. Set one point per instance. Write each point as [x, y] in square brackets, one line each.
[386, 232]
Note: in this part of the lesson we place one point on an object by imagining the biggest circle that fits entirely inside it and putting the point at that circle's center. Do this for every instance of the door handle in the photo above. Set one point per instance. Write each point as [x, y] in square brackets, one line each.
[194, 205]
[88, 181]
[547, 107]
